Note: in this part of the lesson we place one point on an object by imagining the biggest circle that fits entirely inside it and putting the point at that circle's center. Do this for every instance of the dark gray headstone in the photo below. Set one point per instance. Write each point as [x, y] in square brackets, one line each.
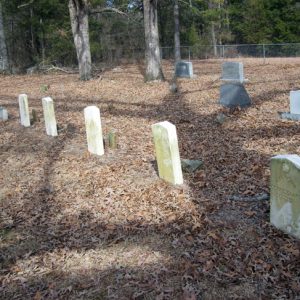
[234, 95]
[184, 69]
[233, 71]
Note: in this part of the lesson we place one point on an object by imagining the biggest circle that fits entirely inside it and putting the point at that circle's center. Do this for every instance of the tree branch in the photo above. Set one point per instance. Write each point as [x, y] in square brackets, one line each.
[108, 9]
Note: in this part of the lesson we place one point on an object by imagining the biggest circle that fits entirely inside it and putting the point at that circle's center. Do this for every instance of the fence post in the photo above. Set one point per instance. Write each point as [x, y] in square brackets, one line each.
[264, 53]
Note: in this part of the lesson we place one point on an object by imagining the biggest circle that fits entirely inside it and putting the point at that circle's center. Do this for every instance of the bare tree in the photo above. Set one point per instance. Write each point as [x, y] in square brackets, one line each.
[78, 10]
[3, 48]
[153, 60]
[177, 53]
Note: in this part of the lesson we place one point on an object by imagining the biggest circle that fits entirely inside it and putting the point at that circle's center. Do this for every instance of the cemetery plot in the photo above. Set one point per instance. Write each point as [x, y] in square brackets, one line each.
[74, 225]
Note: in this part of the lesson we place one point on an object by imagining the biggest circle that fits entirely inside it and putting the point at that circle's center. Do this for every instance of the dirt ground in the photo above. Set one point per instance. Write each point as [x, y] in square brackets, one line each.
[77, 226]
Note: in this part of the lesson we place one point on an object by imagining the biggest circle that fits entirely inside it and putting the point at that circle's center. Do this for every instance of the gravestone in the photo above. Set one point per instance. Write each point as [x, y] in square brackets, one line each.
[233, 95]
[184, 69]
[285, 193]
[94, 130]
[24, 111]
[167, 152]
[294, 113]
[233, 72]
[295, 102]
[3, 114]
[49, 116]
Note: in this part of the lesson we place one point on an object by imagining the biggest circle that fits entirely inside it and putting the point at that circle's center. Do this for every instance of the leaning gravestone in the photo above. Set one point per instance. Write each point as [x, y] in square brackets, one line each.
[167, 152]
[3, 114]
[233, 92]
[184, 69]
[49, 116]
[94, 130]
[294, 113]
[285, 193]
[24, 110]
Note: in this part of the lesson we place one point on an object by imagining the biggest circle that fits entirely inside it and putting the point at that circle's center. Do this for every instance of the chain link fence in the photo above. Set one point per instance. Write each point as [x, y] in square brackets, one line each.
[263, 51]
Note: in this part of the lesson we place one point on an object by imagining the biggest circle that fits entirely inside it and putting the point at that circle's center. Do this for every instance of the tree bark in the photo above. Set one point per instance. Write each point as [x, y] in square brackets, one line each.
[177, 53]
[3, 48]
[153, 60]
[80, 28]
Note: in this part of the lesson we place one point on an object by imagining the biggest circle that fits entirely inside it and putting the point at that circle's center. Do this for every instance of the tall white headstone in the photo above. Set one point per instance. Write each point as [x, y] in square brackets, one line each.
[24, 110]
[49, 116]
[295, 102]
[167, 152]
[94, 130]
[285, 193]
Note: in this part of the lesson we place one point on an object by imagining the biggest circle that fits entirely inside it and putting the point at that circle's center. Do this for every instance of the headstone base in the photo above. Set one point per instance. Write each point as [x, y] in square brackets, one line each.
[289, 116]
[234, 95]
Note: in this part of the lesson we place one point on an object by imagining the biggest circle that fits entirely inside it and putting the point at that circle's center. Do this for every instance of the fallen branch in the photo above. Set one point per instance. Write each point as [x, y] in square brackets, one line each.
[59, 69]
[259, 197]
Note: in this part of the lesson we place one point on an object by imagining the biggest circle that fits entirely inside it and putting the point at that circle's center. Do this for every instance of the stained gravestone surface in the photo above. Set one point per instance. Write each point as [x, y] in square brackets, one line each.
[167, 152]
[234, 95]
[184, 69]
[285, 193]
[3, 114]
[49, 116]
[233, 72]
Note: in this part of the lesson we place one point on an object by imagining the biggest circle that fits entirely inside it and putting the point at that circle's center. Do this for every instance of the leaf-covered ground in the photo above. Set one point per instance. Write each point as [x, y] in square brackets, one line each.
[76, 226]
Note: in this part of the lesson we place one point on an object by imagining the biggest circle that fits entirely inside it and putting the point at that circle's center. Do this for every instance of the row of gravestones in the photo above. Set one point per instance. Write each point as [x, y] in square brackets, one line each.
[285, 169]
[233, 92]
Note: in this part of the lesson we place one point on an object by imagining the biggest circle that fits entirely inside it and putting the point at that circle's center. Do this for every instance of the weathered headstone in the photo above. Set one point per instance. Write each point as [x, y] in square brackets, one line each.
[295, 102]
[233, 72]
[184, 69]
[167, 152]
[94, 130]
[24, 110]
[233, 95]
[285, 193]
[49, 116]
[3, 114]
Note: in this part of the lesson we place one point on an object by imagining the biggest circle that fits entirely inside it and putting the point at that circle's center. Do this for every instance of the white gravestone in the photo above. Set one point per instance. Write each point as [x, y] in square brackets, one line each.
[24, 110]
[295, 102]
[167, 152]
[3, 114]
[94, 130]
[233, 72]
[285, 194]
[49, 116]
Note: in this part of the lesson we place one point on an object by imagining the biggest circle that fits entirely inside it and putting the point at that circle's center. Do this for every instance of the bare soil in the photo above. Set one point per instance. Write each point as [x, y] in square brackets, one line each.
[77, 226]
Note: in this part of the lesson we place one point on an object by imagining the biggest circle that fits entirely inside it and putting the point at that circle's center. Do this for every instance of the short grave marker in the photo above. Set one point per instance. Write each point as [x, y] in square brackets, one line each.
[3, 114]
[184, 69]
[49, 116]
[167, 152]
[94, 130]
[285, 193]
[24, 111]
[294, 113]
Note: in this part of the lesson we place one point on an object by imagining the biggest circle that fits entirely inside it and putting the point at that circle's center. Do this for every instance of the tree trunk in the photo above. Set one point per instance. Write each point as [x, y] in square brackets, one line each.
[213, 39]
[80, 28]
[3, 48]
[177, 53]
[153, 60]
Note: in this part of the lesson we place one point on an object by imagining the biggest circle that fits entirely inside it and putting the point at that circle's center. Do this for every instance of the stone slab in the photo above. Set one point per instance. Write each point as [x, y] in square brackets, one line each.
[24, 110]
[234, 95]
[295, 102]
[184, 69]
[233, 72]
[167, 152]
[3, 114]
[289, 116]
[285, 194]
[94, 130]
[49, 116]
